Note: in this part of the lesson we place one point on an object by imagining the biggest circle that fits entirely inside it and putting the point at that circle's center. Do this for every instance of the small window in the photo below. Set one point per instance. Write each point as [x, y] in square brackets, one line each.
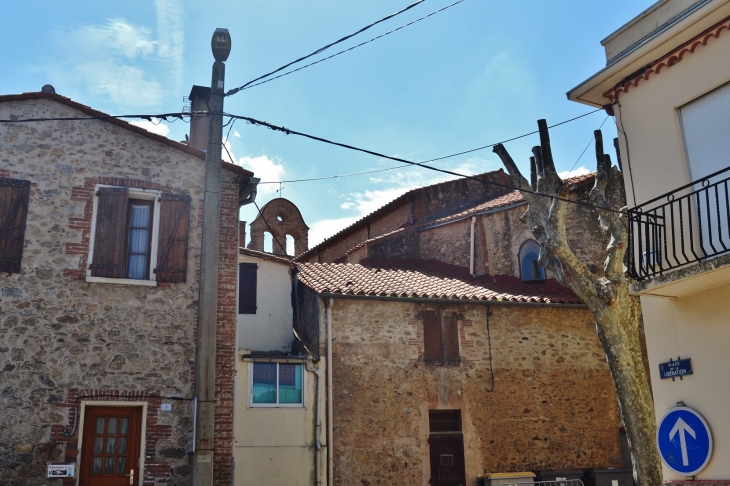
[14, 197]
[247, 288]
[440, 339]
[139, 237]
[530, 269]
[276, 385]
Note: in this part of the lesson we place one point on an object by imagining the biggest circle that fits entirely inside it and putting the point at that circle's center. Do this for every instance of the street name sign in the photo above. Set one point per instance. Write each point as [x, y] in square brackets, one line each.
[684, 441]
[673, 369]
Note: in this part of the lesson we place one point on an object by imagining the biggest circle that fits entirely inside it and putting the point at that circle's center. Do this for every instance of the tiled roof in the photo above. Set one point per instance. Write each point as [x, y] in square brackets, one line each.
[427, 279]
[377, 238]
[265, 256]
[119, 122]
[510, 199]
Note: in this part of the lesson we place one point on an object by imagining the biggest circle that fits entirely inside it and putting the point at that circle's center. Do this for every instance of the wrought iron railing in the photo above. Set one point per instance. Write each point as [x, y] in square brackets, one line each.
[688, 225]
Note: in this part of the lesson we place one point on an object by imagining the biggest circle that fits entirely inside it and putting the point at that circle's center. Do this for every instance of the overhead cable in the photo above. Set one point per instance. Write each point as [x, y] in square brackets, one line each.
[288, 131]
[322, 49]
[248, 85]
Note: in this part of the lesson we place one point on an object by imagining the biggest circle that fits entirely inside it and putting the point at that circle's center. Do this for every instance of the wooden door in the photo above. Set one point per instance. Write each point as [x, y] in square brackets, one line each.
[111, 446]
[447, 460]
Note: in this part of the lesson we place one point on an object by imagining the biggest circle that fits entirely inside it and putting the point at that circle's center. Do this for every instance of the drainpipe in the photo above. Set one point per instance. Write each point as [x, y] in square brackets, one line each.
[295, 289]
[318, 426]
[471, 253]
[330, 428]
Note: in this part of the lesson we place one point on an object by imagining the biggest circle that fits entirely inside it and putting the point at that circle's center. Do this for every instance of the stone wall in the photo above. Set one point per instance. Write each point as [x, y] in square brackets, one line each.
[62, 338]
[550, 403]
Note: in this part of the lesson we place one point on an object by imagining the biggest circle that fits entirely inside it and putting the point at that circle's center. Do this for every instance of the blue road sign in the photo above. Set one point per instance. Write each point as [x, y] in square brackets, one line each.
[684, 440]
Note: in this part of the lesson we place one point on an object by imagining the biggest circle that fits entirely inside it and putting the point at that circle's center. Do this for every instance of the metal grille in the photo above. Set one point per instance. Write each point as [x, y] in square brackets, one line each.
[688, 225]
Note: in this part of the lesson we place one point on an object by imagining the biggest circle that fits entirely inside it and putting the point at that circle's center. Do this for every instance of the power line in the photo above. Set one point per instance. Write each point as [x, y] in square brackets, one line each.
[271, 231]
[163, 116]
[322, 49]
[248, 86]
[589, 144]
[430, 160]
[288, 131]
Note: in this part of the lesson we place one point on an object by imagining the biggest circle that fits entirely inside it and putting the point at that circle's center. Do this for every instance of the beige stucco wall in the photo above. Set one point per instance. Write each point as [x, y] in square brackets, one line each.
[270, 329]
[276, 446]
[649, 114]
[693, 327]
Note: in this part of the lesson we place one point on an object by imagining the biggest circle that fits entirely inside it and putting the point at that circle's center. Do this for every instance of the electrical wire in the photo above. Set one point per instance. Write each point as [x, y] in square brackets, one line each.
[351, 48]
[288, 131]
[271, 231]
[429, 160]
[322, 49]
[163, 116]
[589, 144]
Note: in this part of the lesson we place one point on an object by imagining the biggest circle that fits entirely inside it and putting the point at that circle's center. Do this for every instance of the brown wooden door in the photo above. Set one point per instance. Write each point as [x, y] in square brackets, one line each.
[111, 445]
[447, 460]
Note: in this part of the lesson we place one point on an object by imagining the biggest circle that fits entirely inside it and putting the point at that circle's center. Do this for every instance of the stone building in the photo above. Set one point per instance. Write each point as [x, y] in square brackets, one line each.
[454, 354]
[100, 234]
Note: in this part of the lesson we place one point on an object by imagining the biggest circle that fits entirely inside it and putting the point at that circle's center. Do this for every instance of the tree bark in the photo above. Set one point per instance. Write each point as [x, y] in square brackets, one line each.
[616, 311]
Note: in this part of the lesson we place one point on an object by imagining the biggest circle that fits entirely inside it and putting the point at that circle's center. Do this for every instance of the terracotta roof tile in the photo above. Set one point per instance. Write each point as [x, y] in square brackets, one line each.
[427, 279]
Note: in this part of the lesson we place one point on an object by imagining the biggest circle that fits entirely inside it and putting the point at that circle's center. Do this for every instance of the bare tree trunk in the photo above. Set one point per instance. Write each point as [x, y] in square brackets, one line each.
[617, 313]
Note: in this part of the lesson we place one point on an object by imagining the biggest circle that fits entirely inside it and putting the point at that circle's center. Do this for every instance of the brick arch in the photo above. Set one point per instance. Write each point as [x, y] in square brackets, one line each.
[291, 223]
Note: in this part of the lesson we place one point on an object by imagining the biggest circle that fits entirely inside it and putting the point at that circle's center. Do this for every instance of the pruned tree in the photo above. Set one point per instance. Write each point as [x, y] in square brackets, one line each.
[616, 311]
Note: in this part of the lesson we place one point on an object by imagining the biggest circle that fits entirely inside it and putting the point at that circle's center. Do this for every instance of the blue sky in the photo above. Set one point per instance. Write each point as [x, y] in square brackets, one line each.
[477, 73]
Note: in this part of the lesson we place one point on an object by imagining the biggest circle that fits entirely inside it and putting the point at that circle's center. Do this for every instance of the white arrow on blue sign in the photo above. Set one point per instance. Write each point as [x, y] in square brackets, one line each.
[684, 440]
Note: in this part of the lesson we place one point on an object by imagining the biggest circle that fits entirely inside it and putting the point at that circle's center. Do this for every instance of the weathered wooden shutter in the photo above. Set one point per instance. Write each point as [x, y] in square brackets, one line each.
[247, 288]
[451, 341]
[14, 197]
[432, 342]
[172, 248]
[111, 232]
[447, 459]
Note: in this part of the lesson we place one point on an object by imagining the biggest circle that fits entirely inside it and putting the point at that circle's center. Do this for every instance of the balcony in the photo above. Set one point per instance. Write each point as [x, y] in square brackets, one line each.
[688, 227]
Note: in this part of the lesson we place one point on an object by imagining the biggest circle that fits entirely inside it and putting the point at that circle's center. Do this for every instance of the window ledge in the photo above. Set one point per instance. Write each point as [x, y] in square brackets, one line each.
[122, 281]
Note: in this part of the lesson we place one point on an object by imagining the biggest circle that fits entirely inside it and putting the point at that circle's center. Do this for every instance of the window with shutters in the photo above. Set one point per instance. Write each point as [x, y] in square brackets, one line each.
[441, 338]
[14, 197]
[247, 288]
[139, 237]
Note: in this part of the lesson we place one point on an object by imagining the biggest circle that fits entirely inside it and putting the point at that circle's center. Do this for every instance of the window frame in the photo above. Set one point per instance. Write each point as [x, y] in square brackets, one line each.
[527, 247]
[134, 193]
[253, 405]
[446, 334]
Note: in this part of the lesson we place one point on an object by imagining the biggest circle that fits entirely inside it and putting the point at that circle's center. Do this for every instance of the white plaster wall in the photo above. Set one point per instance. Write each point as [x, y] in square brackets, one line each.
[277, 445]
[693, 327]
[270, 329]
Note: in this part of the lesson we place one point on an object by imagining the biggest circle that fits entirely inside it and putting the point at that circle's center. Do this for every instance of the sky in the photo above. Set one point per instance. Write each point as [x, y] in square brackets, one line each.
[479, 72]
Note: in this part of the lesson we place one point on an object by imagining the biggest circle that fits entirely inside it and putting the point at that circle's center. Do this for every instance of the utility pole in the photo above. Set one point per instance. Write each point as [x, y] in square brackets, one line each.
[203, 460]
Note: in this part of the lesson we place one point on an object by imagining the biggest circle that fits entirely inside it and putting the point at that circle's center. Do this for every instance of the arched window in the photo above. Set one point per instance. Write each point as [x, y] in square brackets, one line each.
[268, 242]
[289, 245]
[530, 270]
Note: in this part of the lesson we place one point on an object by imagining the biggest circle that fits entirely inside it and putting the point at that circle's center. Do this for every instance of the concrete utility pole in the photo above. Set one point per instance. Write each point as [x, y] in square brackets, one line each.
[208, 296]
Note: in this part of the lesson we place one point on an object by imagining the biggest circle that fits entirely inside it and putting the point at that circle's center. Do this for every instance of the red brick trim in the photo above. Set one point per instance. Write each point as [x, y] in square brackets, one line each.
[672, 57]
[155, 467]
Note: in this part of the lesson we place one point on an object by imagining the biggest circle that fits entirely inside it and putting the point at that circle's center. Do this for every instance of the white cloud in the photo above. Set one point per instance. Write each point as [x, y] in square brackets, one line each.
[127, 63]
[155, 127]
[265, 169]
[566, 174]
[236, 134]
[321, 230]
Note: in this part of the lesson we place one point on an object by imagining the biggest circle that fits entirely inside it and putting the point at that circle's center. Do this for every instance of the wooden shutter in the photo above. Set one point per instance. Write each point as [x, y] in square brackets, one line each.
[14, 197]
[172, 247]
[111, 232]
[432, 342]
[451, 341]
[247, 288]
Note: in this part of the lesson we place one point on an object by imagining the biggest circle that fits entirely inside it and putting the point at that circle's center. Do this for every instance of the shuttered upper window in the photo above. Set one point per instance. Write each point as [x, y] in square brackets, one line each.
[247, 288]
[139, 237]
[441, 339]
[14, 197]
